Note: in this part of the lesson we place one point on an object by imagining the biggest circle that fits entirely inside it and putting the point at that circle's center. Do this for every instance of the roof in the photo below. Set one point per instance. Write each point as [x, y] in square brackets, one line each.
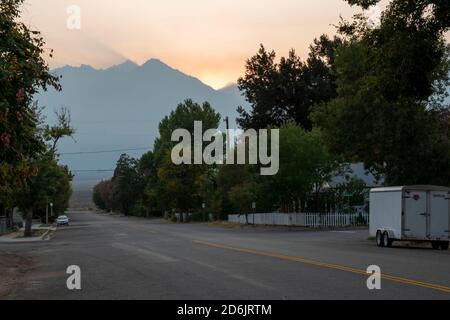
[418, 187]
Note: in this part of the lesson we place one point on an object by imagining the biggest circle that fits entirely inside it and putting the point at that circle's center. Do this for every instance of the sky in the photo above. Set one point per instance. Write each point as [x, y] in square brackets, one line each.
[208, 39]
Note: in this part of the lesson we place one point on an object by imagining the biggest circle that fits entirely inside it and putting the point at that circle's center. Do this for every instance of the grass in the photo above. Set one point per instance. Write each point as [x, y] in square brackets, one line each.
[226, 224]
[35, 233]
[4, 233]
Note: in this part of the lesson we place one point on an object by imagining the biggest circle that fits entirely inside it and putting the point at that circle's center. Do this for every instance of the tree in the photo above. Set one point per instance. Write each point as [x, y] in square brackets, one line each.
[63, 129]
[290, 89]
[177, 185]
[305, 166]
[390, 80]
[242, 196]
[23, 72]
[101, 195]
[350, 192]
[23, 153]
[50, 184]
[148, 170]
[230, 179]
[126, 184]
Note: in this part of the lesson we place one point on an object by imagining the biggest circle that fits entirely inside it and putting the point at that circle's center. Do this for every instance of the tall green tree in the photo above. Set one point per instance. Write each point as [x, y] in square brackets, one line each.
[23, 152]
[148, 170]
[305, 166]
[287, 90]
[101, 195]
[177, 185]
[126, 184]
[23, 72]
[50, 182]
[391, 81]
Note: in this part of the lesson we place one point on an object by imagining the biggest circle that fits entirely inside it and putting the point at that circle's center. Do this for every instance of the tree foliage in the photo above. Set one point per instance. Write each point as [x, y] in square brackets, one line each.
[305, 166]
[126, 183]
[391, 81]
[30, 176]
[23, 71]
[287, 90]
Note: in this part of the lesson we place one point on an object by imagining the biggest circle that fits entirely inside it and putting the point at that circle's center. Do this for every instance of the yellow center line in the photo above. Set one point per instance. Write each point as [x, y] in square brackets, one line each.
[325, 265]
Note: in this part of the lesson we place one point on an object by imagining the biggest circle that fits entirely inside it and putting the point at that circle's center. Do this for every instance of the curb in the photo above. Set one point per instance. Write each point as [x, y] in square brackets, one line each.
[47, 234]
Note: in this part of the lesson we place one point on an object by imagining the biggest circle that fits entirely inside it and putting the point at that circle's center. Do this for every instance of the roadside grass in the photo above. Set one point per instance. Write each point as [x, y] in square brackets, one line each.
[227, 224]
[4, 233]
[35, 233]
[234, 225]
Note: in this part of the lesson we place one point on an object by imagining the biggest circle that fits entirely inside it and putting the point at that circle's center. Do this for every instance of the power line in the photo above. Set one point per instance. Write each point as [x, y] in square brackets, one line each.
[104, 151]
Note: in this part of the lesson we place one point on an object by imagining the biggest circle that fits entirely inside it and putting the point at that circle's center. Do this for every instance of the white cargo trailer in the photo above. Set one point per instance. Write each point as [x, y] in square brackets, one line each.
[410, 213]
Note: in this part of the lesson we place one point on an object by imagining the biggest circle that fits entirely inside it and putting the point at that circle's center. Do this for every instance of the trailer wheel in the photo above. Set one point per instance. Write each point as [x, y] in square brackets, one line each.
[436, 245]
[387, 242]
[444, 245]
[379, 239]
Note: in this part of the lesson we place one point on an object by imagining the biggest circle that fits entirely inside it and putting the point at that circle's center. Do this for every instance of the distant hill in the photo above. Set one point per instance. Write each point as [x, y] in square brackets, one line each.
[120, 108]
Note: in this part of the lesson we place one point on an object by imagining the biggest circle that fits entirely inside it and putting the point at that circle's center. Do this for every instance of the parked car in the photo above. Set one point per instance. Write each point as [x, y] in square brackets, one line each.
[411, 213]
[62, 221]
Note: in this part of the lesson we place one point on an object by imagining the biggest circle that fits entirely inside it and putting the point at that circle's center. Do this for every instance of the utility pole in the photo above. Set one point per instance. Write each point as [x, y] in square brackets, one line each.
[227, 122]
[46, 214]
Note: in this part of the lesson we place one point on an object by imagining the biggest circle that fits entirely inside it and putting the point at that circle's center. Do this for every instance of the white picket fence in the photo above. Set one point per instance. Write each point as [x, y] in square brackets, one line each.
[314, 220]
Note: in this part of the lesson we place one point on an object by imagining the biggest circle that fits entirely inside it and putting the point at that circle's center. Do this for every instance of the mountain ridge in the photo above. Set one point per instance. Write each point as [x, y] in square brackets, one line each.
[120, 107]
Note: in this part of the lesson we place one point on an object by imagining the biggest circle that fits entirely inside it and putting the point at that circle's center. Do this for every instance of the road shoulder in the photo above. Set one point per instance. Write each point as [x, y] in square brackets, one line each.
[13, 268]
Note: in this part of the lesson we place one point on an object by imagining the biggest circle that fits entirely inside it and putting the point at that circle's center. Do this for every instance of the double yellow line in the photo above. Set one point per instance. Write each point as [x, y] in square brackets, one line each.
[324, 265]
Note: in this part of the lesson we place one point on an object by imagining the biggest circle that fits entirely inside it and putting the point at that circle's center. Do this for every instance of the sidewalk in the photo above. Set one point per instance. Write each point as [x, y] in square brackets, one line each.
[17, 237]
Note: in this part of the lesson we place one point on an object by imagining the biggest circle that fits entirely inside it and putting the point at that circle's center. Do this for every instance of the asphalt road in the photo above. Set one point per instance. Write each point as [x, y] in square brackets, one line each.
[131, 258]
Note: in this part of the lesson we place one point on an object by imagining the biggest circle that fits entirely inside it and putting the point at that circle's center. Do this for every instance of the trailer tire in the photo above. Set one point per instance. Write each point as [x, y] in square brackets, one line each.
[444, 245]
[379, 239]
[436, 245]
[387, 242]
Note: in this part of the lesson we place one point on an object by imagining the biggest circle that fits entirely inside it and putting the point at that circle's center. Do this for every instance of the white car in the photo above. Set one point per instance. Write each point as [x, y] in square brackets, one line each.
[62, 221]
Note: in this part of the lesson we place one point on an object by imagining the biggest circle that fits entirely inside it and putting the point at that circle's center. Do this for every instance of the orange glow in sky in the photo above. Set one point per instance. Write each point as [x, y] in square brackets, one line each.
[207, 39]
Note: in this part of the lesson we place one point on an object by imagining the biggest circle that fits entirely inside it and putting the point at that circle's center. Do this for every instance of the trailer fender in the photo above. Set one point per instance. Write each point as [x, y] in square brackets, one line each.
[389, 231]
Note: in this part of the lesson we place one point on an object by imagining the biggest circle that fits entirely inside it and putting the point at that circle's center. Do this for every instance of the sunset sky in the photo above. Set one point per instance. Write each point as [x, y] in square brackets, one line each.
[207, 39]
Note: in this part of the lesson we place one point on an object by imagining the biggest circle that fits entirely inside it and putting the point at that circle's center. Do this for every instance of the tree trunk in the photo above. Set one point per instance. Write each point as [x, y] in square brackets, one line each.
[28, 223]
[9, 218]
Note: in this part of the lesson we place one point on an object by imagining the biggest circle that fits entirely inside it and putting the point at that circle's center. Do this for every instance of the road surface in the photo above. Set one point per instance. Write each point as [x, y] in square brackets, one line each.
[131, 258]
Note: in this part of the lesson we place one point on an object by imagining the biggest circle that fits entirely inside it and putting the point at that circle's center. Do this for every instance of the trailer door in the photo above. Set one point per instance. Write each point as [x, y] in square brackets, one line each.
[415, 215]
[439, 215]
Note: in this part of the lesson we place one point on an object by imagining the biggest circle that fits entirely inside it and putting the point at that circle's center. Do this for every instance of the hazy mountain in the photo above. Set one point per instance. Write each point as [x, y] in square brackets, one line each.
[121, 107]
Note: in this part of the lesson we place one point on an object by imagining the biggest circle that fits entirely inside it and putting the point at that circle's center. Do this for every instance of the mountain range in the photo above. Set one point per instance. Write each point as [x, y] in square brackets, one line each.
[120, 107]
